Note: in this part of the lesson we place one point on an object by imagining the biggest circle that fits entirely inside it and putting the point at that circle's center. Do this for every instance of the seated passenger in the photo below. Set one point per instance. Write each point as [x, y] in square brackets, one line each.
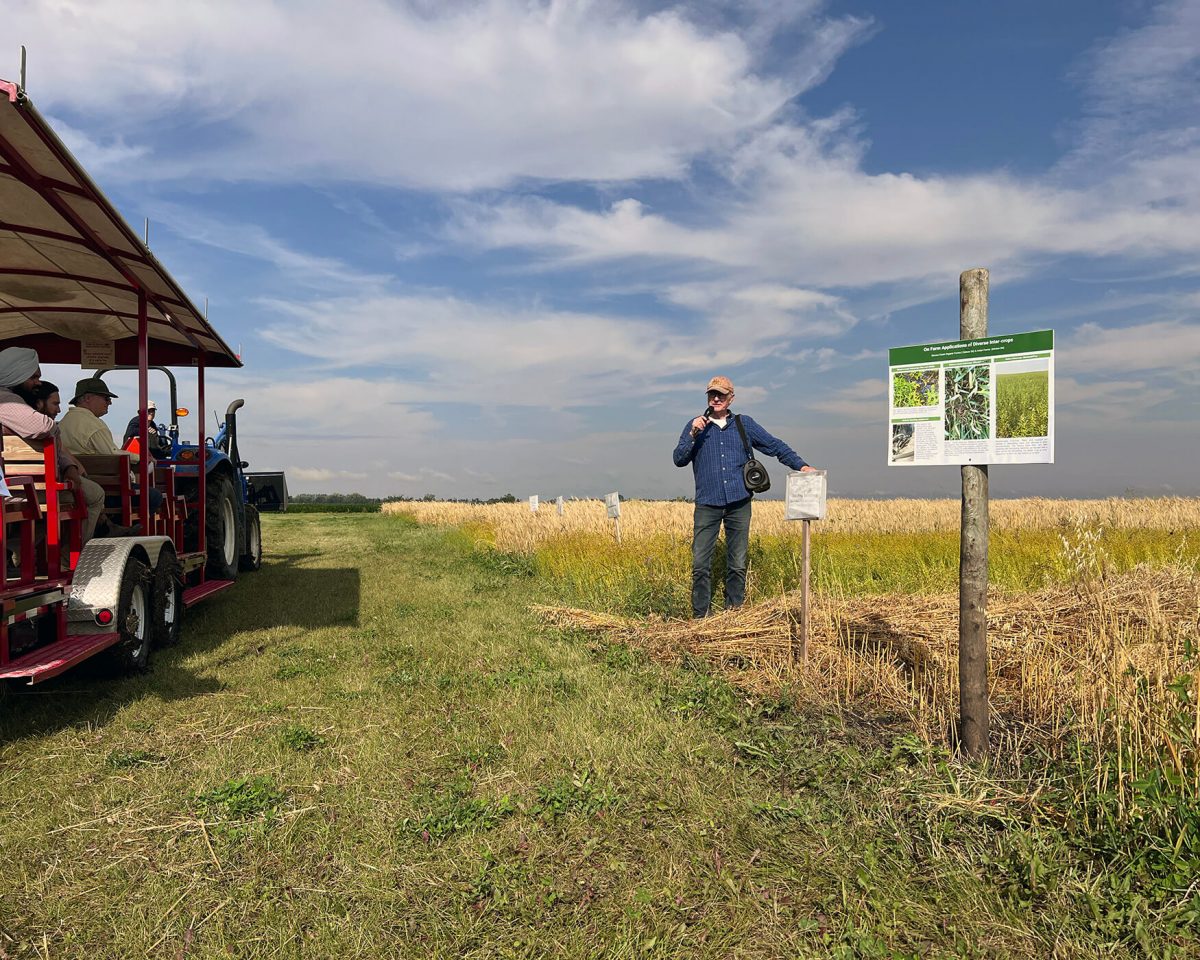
[44, 398]
[83, 433]
[20, 374]
[156, 435]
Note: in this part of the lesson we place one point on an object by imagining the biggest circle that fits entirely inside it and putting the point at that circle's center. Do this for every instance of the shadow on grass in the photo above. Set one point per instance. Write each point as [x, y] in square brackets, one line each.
[284, 593]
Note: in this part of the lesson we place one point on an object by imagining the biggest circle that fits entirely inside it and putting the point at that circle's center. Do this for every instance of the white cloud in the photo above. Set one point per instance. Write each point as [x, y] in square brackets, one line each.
[95, 156]
[1141, 97]
[1162, 345]
[529, 356]
[455, 96]
[799, 206]
[864, 401]
[322, 475]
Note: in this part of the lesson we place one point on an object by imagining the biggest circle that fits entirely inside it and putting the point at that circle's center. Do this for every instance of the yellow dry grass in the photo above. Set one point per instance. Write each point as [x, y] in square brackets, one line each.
[517, 529]
[1062, 659]
[1091, 659]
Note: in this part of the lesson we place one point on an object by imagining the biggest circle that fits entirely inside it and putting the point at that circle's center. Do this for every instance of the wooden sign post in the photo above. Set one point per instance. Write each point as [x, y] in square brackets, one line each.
[805, 501]
[612, 503]
[973, 552]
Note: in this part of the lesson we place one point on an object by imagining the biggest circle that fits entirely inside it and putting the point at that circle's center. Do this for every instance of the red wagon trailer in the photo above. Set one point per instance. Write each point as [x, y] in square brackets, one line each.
[73, 273]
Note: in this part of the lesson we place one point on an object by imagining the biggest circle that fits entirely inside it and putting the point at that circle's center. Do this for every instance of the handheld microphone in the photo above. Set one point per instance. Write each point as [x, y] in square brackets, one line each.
[708, 412]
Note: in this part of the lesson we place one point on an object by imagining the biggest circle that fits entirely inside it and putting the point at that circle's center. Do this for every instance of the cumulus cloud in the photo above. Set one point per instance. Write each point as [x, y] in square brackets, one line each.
[322, 474]
[1160, 345]
[457, 95]
[480, 352]
[797, 206]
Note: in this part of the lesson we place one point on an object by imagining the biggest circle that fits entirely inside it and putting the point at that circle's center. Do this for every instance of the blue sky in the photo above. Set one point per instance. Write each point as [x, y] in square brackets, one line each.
[481, 247]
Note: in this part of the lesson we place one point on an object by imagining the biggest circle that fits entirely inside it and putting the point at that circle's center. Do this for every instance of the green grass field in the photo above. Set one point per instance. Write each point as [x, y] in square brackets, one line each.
[1022, 404]
[371, 748]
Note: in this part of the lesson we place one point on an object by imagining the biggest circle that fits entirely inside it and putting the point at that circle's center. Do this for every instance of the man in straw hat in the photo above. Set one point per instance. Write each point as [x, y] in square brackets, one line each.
[84, 433]
[20, 372]
[712, 444]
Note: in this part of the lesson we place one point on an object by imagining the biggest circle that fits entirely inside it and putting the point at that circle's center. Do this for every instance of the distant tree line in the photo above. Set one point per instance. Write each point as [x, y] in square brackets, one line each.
[357, 503]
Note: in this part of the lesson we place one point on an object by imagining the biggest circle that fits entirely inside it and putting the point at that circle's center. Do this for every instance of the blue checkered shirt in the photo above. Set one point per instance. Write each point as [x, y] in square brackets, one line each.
[717, 457]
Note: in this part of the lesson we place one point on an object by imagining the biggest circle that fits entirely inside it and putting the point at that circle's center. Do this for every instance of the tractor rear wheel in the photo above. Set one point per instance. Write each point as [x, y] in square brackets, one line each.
[222, 532]
[252, 558]
[133, 622]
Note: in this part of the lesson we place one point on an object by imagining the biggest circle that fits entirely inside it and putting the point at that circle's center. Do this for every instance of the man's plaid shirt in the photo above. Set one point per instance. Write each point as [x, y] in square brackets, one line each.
[717, 457]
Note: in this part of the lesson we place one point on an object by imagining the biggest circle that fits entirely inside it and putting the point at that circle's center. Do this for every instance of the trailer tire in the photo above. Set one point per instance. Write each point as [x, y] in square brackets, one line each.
[222, 533]
[166, 599]
[252, 558]
[133, 621]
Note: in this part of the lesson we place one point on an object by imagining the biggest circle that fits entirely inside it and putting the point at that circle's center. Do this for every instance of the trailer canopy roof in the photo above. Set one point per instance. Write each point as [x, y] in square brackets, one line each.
[71, 269]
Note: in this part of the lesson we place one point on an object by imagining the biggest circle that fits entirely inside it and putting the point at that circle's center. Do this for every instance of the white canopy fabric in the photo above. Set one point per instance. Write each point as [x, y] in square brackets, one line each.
[71, 269]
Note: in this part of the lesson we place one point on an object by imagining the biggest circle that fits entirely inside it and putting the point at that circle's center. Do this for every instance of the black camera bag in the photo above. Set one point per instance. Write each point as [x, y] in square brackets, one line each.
[754, 474]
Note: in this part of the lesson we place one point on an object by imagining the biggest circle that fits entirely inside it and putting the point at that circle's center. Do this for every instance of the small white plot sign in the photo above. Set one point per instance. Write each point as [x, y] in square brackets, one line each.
[805, 498]
[612, 502]
[533, 504]
[559, 505]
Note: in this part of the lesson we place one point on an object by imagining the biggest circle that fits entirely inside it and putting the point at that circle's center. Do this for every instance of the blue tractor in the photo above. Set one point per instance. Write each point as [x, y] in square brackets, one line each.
[233, 497]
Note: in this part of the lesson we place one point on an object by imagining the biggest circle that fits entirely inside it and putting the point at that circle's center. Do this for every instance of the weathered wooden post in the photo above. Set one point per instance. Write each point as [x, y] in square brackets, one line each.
[612, 504]
[973, 552]
[804, 501]
[806, 526]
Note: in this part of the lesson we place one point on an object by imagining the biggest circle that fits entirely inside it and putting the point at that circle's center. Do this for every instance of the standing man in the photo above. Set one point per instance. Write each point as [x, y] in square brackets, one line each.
[713, 446]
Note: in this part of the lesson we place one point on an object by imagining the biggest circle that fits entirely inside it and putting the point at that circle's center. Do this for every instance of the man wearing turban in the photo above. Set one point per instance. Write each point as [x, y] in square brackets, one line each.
[21, 371]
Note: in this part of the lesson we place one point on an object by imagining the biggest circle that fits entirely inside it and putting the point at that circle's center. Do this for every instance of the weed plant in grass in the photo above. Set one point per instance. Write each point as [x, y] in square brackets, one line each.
[915, 388]
[967, 403]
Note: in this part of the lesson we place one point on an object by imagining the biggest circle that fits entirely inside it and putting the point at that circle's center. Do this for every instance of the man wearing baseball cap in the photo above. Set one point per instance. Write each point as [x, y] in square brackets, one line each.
[712, 444]
[160, 443]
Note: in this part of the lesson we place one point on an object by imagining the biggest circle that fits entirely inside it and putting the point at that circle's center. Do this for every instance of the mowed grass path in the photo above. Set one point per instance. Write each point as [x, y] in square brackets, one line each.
[371, 748]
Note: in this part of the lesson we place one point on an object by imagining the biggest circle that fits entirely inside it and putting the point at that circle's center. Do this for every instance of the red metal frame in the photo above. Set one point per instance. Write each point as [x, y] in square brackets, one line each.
[40, 587]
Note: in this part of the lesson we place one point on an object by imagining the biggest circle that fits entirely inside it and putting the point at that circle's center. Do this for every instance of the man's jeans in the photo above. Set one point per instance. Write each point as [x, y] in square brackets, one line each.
[705, 525]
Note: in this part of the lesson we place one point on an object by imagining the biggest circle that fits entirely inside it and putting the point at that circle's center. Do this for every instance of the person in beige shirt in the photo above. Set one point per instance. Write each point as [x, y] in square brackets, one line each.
[20, 372]
[84, 433]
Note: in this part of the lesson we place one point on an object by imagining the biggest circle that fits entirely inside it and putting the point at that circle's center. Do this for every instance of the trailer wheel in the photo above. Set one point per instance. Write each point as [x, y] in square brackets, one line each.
[166, 597]
[133, 617]
[252, 558]
[221, 532]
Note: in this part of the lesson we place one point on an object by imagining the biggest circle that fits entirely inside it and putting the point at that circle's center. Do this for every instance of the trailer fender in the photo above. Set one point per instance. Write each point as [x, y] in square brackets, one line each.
[96, 585]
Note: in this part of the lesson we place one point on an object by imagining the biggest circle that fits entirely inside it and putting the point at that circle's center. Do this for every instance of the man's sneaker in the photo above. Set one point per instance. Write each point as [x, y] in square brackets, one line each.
[116, 530]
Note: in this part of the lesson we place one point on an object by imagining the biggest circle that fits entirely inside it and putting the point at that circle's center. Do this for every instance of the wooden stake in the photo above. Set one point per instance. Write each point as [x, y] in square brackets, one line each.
[973, 553]
[804, 554]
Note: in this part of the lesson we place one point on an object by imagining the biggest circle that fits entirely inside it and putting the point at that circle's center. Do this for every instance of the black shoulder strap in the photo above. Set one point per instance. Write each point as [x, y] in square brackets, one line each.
[737, 418]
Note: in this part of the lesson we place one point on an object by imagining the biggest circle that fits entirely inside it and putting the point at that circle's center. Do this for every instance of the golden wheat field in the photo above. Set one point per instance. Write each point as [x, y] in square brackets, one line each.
[516, 528]
[1094, 655]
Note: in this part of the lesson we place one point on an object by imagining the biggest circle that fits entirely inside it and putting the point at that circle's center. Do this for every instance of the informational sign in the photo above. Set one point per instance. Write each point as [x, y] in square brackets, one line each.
[612, 501]
[805, 496]
[989, 400]
[533, 504]
[97, 354]
[559, 505]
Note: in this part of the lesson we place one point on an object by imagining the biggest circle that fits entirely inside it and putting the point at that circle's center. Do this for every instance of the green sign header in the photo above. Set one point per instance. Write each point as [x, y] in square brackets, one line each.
[982, 349]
